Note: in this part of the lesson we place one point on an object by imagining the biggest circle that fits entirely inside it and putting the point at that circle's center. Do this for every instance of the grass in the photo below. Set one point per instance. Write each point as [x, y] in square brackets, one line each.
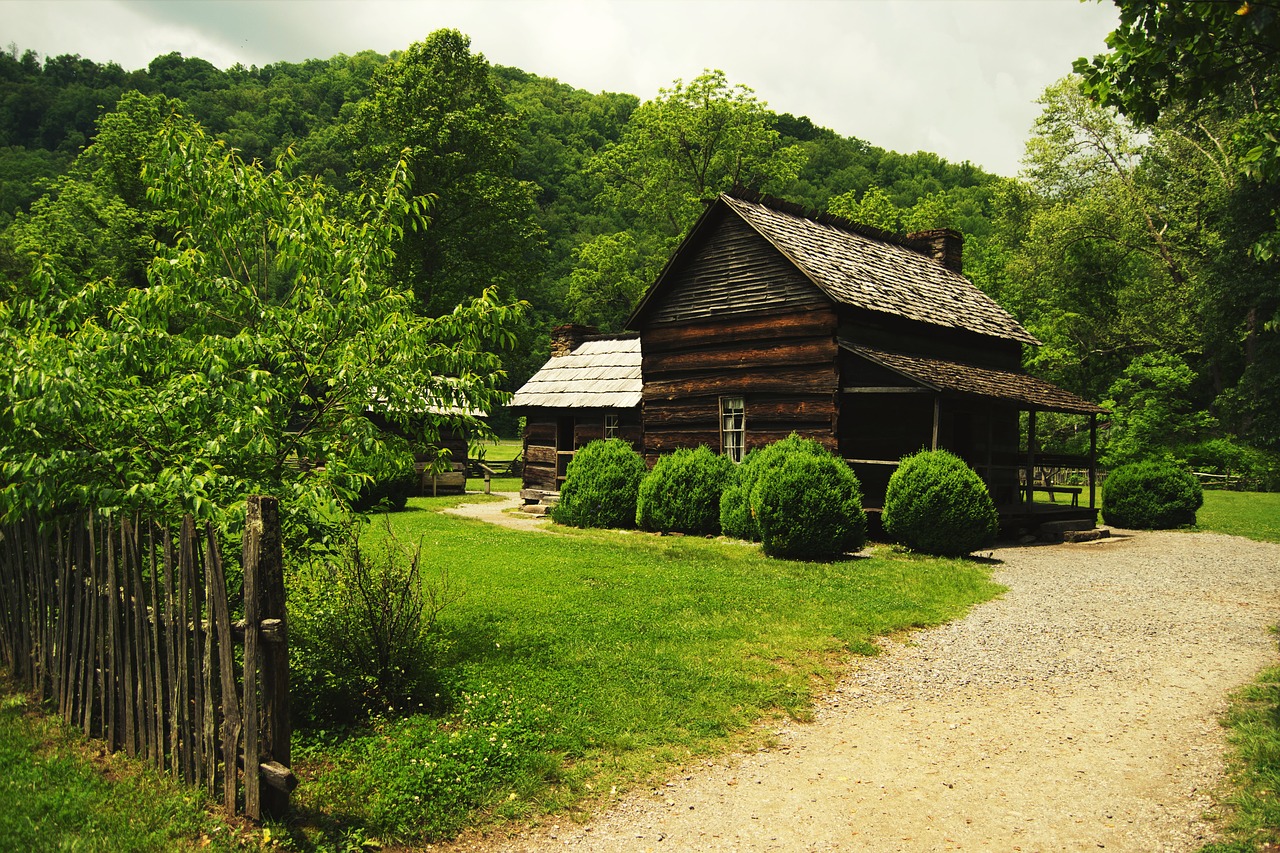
[504, 450]
[59, 792]
[1255, 515]
[584, 663]
[1253, 806]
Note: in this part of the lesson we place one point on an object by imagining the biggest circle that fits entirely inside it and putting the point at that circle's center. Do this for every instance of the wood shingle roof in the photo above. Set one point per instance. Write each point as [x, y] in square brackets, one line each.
[598, 374]
[883, 275]
[939, 375]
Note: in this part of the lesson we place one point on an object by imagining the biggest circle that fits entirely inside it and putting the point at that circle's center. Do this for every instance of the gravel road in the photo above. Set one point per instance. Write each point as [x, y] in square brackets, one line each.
[1079, 711]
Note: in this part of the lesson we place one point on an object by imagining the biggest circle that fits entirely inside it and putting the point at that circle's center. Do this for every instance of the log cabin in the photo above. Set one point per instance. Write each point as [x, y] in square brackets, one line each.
[589, 389]
[770, 320]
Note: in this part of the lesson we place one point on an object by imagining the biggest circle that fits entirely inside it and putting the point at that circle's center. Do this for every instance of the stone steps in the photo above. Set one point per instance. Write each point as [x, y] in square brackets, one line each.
[1079, 530]
[538, 501]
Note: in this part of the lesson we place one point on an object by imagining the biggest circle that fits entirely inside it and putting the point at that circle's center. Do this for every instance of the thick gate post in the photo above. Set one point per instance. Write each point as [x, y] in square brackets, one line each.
[266, 660]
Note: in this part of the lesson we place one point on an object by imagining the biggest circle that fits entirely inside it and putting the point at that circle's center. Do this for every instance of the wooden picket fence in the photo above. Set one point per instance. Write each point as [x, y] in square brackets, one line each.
[125, 628]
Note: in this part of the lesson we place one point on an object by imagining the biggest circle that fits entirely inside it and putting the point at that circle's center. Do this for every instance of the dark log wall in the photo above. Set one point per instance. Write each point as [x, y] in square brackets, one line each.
[783, 365]
[552, 435]
[896, 334]
[737, 319]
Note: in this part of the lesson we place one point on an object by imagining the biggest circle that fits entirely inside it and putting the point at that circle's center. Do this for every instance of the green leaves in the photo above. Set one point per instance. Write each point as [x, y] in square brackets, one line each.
[691, 143]
[269, 329]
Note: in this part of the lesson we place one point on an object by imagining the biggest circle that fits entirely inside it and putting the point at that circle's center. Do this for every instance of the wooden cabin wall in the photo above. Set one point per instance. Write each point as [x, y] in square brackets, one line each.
[545, 455]
[540, 450]
[897, 334]
[783, 365]
[734, 271]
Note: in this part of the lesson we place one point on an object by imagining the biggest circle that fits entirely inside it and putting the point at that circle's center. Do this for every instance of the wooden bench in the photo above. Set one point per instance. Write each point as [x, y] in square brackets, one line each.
[1074, 491]
[452, 482]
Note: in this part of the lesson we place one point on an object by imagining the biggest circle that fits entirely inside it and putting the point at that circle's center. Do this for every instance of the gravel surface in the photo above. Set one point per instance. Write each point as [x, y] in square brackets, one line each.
[1079, 711]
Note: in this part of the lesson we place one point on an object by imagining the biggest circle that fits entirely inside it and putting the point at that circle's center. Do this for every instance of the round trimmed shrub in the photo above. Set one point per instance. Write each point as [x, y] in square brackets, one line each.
[682, 492]
[1151, 495]
[936, 504]
[809, 507]
[601, 486]
[736, 518]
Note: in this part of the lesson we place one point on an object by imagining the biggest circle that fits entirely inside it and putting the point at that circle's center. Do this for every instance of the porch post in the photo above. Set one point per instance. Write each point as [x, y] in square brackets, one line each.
[937, 404]
[1093, 458]
[1031, 455]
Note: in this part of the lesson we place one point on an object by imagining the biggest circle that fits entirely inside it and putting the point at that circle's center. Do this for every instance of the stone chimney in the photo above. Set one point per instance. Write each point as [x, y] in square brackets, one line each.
[944, 245]
[565, 339]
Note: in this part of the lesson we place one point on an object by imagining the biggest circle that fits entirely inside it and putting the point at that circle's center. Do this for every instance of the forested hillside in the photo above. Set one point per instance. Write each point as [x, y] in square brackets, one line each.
[1139, 255]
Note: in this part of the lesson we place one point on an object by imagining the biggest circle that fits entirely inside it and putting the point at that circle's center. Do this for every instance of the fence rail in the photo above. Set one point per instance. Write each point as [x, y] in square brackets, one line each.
[125, 627]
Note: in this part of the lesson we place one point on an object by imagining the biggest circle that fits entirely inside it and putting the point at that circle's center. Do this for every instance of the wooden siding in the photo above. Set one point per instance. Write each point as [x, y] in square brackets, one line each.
[545, 459]
[784, 366]
[883, 331]
[735, 272]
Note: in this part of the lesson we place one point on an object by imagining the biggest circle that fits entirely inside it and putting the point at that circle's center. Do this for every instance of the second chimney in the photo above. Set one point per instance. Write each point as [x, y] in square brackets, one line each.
[944, 245]
[565, 339]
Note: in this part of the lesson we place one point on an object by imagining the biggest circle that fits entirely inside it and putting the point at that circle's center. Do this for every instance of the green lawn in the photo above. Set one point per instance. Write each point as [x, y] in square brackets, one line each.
[595, 659]
[58, 793]
[504, 450]
[1255, 515]
[1253, 758]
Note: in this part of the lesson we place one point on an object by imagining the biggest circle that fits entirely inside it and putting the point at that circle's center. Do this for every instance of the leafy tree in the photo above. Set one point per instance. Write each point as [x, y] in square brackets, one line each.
[1167, 54]
[691, 143]
[438, 103]
[268, 328]
[608, 281]
[1153, 410]
[873, 208]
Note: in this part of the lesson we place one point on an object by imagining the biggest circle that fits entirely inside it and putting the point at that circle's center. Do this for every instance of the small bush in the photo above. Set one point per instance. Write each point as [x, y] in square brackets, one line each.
[682, 492]
[736, 519]
[809, 507]
[936, 504]
[1151, 495]
[362, 632]
[391, 481]
[601, 486]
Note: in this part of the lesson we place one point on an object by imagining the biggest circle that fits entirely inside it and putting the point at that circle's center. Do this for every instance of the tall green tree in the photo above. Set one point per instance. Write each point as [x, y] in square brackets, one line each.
[691, 143]
[1211, 71]
[270, 325]
[438, 103]
[685, 146]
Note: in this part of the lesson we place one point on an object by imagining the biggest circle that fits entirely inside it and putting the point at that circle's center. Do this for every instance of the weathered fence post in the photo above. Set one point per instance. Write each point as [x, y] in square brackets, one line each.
[266, 665]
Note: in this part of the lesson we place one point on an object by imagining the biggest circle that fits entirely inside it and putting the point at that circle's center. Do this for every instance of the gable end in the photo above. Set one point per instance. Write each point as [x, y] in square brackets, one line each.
[733, 271]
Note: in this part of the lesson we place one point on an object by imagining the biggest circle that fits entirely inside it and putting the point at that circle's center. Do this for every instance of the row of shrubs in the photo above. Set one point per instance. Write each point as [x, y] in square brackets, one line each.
[793, 496]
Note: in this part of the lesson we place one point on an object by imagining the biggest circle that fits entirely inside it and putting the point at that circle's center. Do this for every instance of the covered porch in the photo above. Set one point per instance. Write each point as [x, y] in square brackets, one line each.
[892, 405]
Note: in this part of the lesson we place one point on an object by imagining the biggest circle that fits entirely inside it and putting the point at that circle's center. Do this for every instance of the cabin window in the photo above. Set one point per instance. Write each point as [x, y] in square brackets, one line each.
[733, 416]
[610, 426]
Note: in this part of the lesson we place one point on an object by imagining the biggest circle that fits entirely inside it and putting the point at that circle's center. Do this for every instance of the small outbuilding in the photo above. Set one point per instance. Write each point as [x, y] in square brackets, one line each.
[589, 389]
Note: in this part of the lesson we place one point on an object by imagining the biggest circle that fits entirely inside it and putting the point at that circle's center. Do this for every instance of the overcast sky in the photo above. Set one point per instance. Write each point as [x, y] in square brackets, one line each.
[956, 77]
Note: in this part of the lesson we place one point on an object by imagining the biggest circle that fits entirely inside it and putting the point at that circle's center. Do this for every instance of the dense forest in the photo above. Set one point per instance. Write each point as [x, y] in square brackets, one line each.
[1139, 242]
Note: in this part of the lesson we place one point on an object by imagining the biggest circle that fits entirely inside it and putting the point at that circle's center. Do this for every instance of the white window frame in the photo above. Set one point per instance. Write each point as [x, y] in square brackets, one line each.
[612, 420]
[733, 427]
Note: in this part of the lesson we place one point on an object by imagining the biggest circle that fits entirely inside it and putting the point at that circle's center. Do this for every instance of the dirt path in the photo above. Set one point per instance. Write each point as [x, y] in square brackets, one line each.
[1077, 712]
[500, 513]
